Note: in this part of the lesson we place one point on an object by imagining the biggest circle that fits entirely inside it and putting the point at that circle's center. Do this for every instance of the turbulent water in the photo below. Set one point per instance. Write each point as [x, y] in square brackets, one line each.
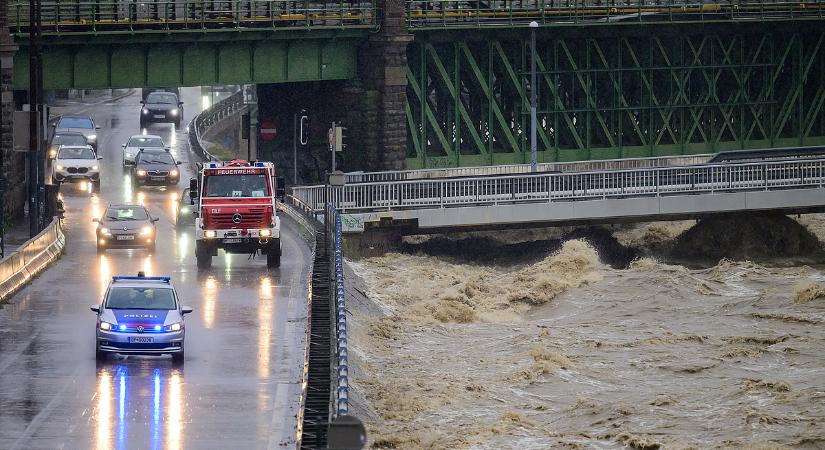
[558, 341]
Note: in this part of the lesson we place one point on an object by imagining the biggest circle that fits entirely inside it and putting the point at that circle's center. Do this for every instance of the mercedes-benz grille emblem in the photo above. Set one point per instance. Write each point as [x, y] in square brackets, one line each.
[140, 329]
[237, 218]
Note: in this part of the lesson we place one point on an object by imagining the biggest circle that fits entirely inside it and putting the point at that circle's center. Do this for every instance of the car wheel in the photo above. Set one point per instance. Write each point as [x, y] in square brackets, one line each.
[96, 186]
[273, 256]
[178, 357]
[203, 256]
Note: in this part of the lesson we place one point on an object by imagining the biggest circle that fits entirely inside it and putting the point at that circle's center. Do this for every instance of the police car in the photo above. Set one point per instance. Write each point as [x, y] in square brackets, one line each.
[140, 315]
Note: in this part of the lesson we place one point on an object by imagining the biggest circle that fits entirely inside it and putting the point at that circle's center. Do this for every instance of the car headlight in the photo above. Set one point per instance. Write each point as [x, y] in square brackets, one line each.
[145, 111]
[174, 112]
[173, 327]
[128, 154]
[266, 233]
[58, 167]
[106, 326]
[92, 137]
[146, 230]
[104, 230]
[95, 167]
[52, 153]
[141, 173]
[209, 234]
[174, 172]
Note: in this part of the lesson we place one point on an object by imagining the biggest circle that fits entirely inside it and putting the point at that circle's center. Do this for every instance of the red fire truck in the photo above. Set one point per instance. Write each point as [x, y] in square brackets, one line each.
[235, 210]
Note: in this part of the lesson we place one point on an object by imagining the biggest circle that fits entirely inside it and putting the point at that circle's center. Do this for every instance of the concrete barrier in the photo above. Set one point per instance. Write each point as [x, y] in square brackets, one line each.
[31, 258]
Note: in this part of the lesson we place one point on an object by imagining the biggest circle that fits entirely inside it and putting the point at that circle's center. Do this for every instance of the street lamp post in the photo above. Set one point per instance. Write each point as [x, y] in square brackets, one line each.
[533, 150]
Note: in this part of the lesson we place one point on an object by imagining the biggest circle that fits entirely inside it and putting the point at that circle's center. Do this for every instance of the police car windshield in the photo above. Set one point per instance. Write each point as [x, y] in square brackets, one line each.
[235, 186]
[140, 298]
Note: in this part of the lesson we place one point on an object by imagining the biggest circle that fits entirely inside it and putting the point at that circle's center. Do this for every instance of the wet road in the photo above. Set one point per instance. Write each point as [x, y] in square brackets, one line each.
[239, 385]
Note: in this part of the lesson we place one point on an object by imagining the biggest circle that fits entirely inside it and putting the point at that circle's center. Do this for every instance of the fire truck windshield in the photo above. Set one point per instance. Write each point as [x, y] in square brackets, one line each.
[235, 185]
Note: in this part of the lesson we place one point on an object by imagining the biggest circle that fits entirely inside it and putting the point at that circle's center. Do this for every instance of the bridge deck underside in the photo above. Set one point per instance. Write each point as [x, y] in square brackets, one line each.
[615, 94]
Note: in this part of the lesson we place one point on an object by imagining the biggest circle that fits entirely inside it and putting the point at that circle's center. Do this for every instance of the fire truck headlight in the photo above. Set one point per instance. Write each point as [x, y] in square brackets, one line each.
[209, 234]
[266, 233]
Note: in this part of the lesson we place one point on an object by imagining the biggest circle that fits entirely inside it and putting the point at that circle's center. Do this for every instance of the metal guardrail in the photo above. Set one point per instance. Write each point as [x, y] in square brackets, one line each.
[31, 258]
[575, 166]
[565, 187]
[497, 13]
[209, 117]
[340, 363]
[69, 16]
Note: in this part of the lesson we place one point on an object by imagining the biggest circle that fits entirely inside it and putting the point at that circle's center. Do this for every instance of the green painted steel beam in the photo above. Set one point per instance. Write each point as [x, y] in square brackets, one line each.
[602, 96]
[194, 64]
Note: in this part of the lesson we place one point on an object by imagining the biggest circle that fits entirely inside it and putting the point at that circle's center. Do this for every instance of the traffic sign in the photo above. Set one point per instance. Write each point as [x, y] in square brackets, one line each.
[331, 137]
[268, 130]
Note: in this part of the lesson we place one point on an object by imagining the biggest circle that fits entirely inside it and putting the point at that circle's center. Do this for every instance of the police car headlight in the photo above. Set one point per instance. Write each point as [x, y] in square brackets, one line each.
[146, 230]
[209, 234]
[266, 233]
[174, 327]
[106, 326]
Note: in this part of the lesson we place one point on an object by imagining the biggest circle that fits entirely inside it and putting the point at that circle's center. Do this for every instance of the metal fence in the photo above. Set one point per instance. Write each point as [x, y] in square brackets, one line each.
[466, 13]
[128, 15]
[575, 166]
[340, 363]
[552, 187]
[211, 116]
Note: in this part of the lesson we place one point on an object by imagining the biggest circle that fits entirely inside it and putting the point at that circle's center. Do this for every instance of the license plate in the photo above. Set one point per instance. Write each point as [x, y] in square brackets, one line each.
[160, 116]
[141, 340]
[158, 178]
[126, 237]
[232, 241]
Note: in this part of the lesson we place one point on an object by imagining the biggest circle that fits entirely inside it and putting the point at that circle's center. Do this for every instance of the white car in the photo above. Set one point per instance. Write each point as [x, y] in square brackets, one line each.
[76, 163]
[140, 142]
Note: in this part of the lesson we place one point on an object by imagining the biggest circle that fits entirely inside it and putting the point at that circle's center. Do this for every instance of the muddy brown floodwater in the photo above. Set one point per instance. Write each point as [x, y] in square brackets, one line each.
[557, 348]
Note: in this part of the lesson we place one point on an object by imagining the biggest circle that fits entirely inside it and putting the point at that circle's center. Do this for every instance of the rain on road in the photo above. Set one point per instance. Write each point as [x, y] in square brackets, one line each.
[245, 339]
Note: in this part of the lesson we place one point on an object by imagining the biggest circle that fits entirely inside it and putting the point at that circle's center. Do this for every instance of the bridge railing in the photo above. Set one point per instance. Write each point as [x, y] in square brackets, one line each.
[209, 117]
[481, 13]
[130, 15]
[510, 169]
[563, 187]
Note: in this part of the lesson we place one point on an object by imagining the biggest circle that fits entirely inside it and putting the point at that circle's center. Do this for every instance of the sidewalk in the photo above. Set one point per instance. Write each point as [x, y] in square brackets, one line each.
[16, 235]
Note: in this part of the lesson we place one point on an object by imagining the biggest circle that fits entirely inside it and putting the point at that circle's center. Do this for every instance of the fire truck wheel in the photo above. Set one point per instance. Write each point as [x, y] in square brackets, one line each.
[203, 255]
[273, 255]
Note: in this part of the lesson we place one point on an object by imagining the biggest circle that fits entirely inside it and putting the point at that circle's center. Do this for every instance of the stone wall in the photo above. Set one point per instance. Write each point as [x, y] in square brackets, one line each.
[14, 165]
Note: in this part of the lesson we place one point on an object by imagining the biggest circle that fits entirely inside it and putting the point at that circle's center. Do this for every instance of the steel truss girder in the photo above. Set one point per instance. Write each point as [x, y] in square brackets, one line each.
[612, 97]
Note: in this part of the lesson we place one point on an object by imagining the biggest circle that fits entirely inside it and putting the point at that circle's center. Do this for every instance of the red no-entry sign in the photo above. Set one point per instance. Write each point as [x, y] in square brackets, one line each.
[268, 130]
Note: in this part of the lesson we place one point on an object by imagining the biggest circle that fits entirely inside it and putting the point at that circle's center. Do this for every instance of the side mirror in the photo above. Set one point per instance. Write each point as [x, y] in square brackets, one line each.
[167, 148]
[124, 145]
[97, 127]
[177, 163]
[95, 308]
[185, 309]
[96, 220]
[99, 157]
[280, 188]
[155, 219]
[180, 103]
[142, 102]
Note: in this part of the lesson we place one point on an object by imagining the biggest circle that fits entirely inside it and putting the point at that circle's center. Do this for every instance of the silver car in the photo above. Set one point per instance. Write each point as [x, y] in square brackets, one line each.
[140, 142]
[140, 315]
[126, 226]
[79, 124]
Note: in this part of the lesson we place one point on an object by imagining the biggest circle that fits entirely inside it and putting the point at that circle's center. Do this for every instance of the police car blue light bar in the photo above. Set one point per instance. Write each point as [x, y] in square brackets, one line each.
[129, 278]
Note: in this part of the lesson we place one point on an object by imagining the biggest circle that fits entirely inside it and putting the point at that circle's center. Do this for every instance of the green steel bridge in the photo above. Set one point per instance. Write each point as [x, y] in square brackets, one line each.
[617, 79]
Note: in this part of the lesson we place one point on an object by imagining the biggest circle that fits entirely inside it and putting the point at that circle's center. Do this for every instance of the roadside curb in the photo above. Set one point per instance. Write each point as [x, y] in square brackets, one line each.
[31, 259]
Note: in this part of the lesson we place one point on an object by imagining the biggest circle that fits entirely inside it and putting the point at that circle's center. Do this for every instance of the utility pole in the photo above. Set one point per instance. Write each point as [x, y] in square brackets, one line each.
[533, 150]
[332, 145]
[35, 126]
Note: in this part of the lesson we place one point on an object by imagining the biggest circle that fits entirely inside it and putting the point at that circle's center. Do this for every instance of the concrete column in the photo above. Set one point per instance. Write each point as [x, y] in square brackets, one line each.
[13, 163]
[383, 67]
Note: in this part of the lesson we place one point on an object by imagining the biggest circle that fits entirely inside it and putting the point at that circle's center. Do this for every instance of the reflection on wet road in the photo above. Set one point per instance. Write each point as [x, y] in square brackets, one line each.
[239, 385]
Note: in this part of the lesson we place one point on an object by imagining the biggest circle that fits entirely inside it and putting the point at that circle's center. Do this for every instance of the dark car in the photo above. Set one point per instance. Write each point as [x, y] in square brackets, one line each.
[72, 138]
[125, 226]
[78, 124]
[155, 168]
[161, 107]
[185, 210]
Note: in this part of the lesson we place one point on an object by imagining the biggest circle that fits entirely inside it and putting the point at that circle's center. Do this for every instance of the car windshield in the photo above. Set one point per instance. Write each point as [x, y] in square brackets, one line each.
[235, 186]
[162, 97]
[155, 158]
[145, 142]
[76, 153]
[141, 298]
[126, 213]
[69, 139]
[75, 122]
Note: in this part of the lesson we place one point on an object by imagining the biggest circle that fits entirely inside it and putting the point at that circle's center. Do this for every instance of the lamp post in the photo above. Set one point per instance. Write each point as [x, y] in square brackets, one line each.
[533, 150]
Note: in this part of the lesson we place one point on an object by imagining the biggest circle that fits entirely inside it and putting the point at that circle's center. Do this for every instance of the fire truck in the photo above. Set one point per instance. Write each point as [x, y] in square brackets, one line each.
[235, 210]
